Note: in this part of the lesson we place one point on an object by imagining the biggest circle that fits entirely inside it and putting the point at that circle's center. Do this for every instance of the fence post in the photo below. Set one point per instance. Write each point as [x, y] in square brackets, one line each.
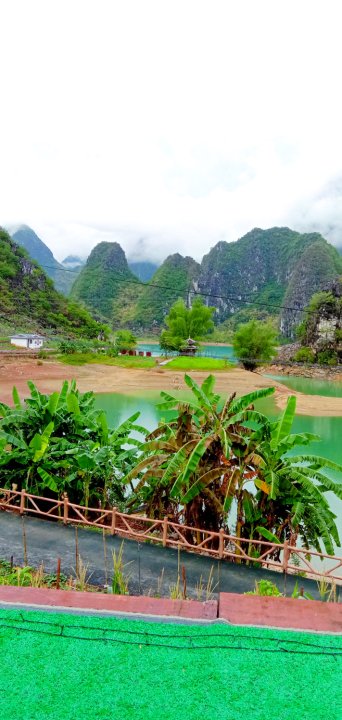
[165, 531]
[65, 508]
[221, 543]
[112, 528]
[286, 555]
[22, 502]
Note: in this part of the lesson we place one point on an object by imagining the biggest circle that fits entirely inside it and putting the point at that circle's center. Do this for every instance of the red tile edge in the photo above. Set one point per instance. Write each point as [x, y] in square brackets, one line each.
[287, 613]
[192, 609]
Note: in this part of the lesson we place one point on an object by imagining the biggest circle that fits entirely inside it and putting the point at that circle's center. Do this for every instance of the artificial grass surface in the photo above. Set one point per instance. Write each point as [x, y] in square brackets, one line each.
[134, 670]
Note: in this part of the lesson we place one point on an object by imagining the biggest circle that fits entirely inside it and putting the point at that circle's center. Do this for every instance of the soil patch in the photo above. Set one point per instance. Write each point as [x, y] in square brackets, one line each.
[103, 378]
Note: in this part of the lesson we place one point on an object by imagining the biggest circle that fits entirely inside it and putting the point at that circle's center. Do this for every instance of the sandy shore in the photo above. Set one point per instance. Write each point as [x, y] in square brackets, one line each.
[106, 379]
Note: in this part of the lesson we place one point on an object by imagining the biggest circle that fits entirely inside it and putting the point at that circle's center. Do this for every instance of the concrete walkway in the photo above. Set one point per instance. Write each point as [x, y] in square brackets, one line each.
[151, 568]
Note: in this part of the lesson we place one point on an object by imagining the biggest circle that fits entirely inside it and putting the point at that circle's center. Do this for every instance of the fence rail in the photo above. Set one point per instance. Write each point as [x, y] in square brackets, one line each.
[282, 557]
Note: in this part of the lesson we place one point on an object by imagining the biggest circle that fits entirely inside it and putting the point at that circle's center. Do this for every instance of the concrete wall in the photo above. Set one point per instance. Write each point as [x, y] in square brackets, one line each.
[32, 343]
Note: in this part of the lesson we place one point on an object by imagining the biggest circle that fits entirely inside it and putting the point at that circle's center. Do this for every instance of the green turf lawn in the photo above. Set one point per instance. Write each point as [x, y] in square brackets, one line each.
[127, 361]
[117, 669]
[199, 363]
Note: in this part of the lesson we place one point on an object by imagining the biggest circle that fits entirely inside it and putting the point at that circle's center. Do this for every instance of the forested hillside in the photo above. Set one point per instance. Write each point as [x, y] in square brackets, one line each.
[172, 280]
[28, 299]
[103, 279]
[24, 236]
[265, 269]
[251, 277]
[143, 269]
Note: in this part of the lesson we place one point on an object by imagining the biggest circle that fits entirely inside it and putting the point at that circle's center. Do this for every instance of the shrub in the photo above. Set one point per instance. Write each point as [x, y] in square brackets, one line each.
[265, 588]
[254, 342]
[69, 347]
[43, 355]
[125, 340]
[327, 357]
[305, 354]
[112, 351]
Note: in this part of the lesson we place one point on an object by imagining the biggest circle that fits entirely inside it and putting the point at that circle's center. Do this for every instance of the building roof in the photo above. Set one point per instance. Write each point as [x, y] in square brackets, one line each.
[27, 336]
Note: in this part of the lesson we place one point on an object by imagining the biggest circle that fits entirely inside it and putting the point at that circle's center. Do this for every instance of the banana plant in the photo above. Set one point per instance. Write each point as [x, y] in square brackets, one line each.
[214, 466]
[291, 488]
[186, 469]
[54, 443]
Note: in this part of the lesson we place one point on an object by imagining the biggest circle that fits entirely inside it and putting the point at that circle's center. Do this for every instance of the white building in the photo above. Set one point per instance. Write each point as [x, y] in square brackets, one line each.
[26, 340]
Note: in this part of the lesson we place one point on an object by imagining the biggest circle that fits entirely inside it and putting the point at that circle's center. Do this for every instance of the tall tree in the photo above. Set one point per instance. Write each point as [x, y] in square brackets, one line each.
[183, 322]
[254, 342]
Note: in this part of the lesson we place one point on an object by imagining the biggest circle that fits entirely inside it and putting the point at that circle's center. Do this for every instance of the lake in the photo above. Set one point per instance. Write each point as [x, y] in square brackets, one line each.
[216, 351]
[310, 386]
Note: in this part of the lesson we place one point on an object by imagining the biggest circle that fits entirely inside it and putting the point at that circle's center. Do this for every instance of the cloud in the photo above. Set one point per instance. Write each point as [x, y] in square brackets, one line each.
[169, 126]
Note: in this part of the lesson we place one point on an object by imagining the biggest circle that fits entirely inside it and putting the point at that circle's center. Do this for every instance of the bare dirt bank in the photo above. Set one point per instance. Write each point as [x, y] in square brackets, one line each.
[104, 378]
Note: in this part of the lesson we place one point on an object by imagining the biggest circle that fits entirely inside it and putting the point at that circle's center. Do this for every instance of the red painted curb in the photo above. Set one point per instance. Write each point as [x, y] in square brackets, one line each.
[280, 612]
[236, 609]
[192, 609]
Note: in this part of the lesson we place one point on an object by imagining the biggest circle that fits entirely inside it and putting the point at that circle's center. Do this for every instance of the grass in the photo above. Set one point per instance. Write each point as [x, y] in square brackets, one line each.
[178, 363]
[28, 576]
[60, 666]
[199, 363]
[126, 361]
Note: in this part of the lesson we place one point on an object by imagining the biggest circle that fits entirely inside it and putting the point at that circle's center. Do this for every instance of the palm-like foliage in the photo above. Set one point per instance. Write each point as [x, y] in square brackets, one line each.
[291, 488]
[62, 443]
[231, 467]
[211, 466]
[189, 465]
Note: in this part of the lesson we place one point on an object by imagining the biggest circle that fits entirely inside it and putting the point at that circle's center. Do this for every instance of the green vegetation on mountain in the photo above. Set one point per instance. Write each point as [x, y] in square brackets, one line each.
[108, 287]
[244, 280]
[320, 333]
[29, 300]
[175, 277]
[37, 250]
[143, 269]
[103, 280]
[319, 265]
[265, 269]
[73, 262]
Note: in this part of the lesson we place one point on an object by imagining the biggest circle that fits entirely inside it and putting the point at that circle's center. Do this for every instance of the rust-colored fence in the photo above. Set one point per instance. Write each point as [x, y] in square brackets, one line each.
[282, 557]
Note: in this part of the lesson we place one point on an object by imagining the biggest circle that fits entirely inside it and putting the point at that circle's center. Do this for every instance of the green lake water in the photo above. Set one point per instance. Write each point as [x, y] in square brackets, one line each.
[310, 386]
[119, 407]
[215, 351]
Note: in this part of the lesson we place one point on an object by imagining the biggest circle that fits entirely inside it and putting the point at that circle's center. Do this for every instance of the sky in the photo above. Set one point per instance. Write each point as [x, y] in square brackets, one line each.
[169, 125]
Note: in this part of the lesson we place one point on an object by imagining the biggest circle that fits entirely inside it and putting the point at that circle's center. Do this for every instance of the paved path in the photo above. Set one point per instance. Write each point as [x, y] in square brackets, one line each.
[46, 541]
